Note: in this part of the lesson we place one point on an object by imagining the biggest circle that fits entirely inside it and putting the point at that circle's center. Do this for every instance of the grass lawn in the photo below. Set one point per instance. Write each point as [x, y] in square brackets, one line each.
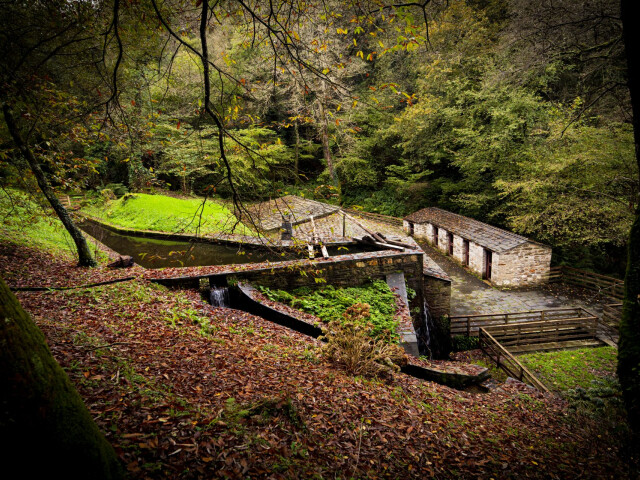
[167, 214]
[26, 222]
[570, 369]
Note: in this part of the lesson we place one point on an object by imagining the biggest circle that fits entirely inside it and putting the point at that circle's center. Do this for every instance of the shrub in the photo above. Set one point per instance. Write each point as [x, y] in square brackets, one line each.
[107, 194]
[118, 189]
[460, 343]
[351, 346]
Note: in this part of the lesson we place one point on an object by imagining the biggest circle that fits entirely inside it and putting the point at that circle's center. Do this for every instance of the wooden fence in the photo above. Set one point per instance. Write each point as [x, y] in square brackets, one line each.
[609, 286]
[469, 324]
[547, 335]
[506, 361]
[611, 315]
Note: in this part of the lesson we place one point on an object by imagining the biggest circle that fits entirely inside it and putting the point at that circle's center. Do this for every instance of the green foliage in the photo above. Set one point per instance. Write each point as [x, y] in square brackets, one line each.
[118, 189]
[28, 220]
[162, 213]
[461, 343]
[188, 158]
[579, 188]
[330, 304]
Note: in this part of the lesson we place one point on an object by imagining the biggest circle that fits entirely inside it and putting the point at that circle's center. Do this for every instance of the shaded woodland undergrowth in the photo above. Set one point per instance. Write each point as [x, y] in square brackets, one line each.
[185, 390]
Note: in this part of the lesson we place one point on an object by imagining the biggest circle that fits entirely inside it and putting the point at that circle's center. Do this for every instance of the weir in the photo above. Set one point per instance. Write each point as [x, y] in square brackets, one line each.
[219, 297]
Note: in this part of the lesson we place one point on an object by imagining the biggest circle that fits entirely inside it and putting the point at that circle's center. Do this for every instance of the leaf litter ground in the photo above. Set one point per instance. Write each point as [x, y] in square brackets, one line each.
[185, 390]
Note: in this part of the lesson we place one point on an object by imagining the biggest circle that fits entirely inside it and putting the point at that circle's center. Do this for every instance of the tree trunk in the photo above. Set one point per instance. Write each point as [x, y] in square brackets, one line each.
[324, 134]
[48, 431]
[296, 162]
[629, 346]
[85, 259]
[326, 151]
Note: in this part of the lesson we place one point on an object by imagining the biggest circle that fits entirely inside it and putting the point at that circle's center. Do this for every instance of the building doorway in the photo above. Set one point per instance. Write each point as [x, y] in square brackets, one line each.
[465, 252]
[450, 243]
[488, 261]
[435, 236]
[411, 228]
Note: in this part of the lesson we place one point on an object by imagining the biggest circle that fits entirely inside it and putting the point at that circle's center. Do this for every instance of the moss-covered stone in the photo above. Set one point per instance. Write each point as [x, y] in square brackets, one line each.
[47, 429]
[629, 345]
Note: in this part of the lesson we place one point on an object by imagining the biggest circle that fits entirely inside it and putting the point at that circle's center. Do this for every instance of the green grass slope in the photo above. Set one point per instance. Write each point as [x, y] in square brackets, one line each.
[167, 214]
[27, 220]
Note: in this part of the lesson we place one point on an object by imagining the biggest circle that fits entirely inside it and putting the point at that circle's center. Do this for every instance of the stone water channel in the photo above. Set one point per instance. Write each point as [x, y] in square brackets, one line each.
[348, 264]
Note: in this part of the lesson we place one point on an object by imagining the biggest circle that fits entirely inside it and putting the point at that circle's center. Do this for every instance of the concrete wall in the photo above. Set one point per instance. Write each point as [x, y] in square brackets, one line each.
[527, 264]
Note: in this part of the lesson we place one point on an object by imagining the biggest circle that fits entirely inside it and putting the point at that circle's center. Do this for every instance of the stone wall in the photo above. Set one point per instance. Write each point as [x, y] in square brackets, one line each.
[476, 257]
[351, 271]
[437, 293]
[420, 230]
[443, 241]
[458, 249]
[527, 264]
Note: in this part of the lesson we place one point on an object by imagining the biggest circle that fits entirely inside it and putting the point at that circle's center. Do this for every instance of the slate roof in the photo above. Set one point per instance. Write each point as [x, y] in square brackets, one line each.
[269, 214]
[485, 235]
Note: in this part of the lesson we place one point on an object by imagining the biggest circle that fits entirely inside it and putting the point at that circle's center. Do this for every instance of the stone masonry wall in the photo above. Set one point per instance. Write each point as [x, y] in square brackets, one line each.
[527, 264]
[442, 239]
[353, 271]
[420, 230]
[437, 293]
[476, 257]
[458, 249]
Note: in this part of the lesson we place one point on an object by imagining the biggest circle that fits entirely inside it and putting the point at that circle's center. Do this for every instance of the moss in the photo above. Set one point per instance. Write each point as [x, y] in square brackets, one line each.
[42, 413]
[629, 346]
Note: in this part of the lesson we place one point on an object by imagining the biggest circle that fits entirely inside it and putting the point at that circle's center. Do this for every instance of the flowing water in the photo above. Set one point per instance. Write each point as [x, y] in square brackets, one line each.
[219, 297]
[428, 327]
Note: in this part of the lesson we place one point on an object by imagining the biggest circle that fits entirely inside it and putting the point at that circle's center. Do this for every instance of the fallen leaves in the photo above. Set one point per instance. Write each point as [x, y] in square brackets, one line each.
[160, 389]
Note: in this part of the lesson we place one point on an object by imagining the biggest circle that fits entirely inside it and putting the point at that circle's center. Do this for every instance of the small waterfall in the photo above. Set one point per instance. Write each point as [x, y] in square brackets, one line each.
[219, 297]
[428, 327]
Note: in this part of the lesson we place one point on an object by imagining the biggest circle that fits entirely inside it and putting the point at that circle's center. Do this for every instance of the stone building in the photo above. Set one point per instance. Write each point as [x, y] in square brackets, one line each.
[502, 257]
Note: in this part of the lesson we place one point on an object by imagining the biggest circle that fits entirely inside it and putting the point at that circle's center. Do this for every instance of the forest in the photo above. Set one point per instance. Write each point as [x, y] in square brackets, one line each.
[514, 113]
[486, 108]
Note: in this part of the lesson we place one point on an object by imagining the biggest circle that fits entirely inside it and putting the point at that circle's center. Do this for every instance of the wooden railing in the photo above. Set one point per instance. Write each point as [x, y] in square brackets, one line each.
[611, 315]
[506, 361]
[546, 335]
[469, 324]
[609, 286]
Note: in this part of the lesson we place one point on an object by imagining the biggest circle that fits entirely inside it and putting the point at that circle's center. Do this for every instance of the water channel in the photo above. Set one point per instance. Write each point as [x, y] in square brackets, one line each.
[159, 253]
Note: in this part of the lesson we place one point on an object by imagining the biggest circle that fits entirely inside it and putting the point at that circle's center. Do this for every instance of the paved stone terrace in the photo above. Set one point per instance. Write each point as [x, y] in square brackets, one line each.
[470, 295]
